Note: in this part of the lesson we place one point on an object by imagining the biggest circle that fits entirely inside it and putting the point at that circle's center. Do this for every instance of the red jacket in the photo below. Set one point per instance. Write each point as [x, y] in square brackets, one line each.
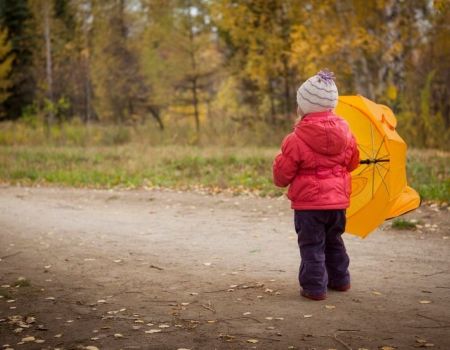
[316, 160]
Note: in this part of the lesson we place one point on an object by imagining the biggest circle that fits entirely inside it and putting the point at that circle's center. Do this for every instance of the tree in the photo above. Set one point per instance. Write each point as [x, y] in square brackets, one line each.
[15, 16]
[6, 60]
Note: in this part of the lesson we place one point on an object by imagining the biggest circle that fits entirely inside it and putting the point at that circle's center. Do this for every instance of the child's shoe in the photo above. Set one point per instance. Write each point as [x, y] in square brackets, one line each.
[313, 296]
[343, 288]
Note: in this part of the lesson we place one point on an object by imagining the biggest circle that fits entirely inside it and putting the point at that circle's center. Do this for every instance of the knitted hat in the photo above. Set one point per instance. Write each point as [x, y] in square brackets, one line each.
[318, 94]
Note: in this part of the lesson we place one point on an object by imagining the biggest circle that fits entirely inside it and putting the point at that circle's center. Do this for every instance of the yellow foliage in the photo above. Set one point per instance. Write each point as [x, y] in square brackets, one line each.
[6, 60]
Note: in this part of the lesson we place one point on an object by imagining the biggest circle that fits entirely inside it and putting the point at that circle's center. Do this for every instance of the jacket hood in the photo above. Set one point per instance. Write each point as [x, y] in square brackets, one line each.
[324, 132]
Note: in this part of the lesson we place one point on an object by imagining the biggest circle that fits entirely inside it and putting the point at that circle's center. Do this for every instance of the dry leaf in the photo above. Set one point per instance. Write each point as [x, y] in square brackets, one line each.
[307, 316]
[28, 339]
[118, 335]
[101, 301]
[151, 331]
[252, 341]
[246, 313]
[425, 302]
[184, 304]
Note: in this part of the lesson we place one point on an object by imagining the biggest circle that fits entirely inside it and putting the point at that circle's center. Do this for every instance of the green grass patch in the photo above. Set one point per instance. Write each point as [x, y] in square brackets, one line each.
[238, 169]
[402, 224]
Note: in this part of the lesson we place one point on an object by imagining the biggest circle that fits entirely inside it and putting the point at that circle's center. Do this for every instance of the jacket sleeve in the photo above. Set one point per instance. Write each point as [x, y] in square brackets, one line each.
[354, 160]
[285, 165]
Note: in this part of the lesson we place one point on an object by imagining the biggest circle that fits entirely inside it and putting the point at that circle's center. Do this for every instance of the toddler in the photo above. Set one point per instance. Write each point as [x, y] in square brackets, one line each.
[315, 161]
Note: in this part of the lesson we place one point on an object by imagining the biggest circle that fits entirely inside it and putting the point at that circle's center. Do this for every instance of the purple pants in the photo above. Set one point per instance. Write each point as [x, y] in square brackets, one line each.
[324, 260]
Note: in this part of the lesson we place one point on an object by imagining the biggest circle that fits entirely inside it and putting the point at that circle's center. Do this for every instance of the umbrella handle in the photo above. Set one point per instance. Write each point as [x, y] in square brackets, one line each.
[373, 161]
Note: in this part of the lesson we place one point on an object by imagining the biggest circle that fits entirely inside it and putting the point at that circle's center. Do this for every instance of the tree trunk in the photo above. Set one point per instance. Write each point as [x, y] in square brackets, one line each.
[48, 61]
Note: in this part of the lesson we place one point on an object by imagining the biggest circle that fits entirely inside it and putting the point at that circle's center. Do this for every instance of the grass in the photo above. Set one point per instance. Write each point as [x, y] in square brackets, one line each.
[236, 169]
[402, 224]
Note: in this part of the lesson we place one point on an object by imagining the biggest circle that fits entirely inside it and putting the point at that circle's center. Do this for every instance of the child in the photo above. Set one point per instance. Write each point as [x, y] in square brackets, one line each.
[315, 161]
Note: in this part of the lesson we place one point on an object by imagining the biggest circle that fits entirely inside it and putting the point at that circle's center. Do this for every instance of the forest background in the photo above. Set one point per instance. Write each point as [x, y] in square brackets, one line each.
[198, 93]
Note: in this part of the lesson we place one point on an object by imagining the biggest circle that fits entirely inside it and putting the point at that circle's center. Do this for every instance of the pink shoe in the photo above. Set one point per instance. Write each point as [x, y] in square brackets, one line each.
[343, 288]
[316, 297]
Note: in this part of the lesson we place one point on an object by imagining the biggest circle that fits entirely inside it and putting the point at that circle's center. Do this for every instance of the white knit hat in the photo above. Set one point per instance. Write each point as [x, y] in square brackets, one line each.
[318, 94]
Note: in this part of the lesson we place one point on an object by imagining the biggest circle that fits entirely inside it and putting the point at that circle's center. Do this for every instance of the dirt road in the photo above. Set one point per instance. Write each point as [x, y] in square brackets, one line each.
[170, 270]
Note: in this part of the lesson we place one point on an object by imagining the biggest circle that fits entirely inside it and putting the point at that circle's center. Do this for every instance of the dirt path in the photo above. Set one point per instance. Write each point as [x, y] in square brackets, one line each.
[100, 268]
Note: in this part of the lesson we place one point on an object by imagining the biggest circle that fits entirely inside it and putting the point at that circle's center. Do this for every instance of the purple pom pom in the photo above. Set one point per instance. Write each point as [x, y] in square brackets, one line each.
[327, 76]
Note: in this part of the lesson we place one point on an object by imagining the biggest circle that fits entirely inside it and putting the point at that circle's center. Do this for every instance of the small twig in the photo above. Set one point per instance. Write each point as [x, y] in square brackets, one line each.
[208, 307]
[217, 291]
[343, 343]
[436, 273]
[251, 336]
[156, 267]
[241, 317]
[426, 327]
[10, 255]
[429, 318]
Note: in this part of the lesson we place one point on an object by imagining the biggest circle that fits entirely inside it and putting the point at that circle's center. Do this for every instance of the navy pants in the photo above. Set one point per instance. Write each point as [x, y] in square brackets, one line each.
[324, 260]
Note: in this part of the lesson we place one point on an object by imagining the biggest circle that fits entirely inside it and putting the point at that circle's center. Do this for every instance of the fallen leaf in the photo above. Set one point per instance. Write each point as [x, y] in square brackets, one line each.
[252, 341]
[101, 301]
[246, 313]
[185, 304]
[425, 302]
[118, 335]
[307, 316]
[151, 331]
[28, 339]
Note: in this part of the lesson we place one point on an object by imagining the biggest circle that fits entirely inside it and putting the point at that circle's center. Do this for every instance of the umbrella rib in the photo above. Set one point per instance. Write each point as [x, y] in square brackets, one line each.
[381, 165]
[362, 149]
[367, 167]
[371, 138]
[379, 148]
[384, 183]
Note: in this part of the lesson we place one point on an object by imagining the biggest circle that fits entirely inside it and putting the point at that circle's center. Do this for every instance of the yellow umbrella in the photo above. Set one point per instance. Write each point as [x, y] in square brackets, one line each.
[379, 188]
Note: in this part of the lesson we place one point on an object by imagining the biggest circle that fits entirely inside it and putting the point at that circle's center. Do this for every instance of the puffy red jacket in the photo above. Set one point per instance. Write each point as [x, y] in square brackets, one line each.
[316, 160]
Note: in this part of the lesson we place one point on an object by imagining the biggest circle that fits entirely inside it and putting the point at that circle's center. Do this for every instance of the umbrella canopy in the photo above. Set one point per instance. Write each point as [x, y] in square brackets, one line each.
[379, 187]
